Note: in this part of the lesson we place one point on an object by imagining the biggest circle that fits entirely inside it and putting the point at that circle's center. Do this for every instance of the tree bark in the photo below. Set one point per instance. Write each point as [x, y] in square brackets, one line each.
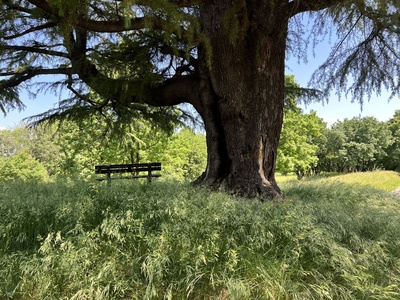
[242, 95]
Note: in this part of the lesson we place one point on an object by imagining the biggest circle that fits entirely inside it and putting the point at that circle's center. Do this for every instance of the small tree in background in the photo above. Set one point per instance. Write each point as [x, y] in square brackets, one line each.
[298, 146]
[185, 155]
[301, 134]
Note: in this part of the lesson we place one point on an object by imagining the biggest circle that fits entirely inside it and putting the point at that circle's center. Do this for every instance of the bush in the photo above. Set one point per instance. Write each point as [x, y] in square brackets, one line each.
[23, 167]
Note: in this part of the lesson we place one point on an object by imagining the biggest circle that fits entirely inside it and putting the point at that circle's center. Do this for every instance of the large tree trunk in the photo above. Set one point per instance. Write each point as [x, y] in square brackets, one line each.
[242, 94]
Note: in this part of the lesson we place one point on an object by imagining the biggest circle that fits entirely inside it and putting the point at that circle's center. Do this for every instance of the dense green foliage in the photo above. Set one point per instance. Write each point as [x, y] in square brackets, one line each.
[38, 143]
[352, 145]
[169, 241]
[298, 145]
[22, 166]
[392, 160]
[358, 144]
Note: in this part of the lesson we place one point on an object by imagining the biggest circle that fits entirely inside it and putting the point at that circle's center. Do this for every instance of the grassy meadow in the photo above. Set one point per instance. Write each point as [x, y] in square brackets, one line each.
[334, 237]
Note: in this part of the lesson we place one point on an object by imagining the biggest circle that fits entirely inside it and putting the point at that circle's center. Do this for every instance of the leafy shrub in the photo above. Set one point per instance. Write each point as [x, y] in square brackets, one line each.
[23, 167]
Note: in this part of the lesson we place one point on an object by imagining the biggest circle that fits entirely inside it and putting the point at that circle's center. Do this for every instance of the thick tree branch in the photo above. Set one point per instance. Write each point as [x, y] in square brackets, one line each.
[124, 92]
[299, 6]
[171, 92]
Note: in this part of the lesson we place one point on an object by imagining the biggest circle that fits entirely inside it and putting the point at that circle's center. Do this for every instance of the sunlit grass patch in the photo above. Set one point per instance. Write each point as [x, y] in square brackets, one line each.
[382, 180]
[285, 178]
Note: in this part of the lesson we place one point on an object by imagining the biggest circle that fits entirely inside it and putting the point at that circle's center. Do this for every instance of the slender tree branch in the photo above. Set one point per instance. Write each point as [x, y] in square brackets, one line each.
[170, 50]
[347, 34]
[385, 43]
[16, 7]
[19, 77]
[106, 26]
[35, 50]
[30, 30]
[177, 3]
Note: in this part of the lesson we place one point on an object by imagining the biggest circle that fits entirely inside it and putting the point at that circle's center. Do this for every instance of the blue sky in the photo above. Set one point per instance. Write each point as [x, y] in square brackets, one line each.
[339, 109]
[336, 109]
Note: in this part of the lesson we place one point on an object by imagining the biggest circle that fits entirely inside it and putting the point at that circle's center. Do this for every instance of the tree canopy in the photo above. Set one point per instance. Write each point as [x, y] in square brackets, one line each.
[225, 58]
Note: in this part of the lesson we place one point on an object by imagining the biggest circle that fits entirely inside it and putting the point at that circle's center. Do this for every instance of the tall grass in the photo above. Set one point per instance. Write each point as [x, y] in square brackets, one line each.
[172, 241]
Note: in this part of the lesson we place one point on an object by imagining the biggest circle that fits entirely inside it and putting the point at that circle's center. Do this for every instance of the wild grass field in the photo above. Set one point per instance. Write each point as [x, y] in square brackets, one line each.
[330, 239]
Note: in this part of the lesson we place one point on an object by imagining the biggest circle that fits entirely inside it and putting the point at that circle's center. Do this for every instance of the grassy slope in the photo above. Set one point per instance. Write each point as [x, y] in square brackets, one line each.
[329, 240]
[380, 180]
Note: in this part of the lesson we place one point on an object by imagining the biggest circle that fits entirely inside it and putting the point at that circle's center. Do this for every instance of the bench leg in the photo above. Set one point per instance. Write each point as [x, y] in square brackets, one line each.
[149, 175]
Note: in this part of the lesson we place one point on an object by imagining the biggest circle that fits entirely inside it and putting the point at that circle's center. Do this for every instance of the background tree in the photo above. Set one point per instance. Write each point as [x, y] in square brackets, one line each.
[226, 58]
[38, 143]
[301, 134]
[298, 146]
[331, 157]
[184, 155]
[392, 160]
[356, 145]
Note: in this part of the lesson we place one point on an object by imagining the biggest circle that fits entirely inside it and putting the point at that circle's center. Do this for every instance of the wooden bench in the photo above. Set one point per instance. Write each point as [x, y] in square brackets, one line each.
[133, 169]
